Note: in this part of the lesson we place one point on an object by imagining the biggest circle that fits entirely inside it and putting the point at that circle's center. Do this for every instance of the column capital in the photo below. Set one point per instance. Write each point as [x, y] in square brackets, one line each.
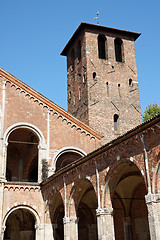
[152, 198]
[70, 219]
[104, 211]
[3, 229]
[39, 226]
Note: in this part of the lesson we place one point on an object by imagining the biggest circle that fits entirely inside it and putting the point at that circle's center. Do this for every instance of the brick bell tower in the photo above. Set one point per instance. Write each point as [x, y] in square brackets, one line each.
[102, 79]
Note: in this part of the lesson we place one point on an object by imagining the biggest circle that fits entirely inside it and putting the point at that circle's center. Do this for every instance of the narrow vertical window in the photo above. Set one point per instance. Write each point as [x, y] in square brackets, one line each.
[94, 76]
[118, 49]
[72, 59]
[84, 77]
[102, 46]
[107, 87]
[79, 51]
[119, 90]
[130, 83]
[116, 124]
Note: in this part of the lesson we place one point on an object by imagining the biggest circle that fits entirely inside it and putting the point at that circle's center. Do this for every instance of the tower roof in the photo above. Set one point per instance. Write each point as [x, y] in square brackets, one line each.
[88, 26]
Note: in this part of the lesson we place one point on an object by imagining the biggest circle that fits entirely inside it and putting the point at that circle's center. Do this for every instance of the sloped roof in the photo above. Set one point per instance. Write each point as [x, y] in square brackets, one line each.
[48, 102]
[88, 26]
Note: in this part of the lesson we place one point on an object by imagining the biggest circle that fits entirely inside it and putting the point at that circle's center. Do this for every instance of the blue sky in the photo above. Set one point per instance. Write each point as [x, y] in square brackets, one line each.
[34, 32]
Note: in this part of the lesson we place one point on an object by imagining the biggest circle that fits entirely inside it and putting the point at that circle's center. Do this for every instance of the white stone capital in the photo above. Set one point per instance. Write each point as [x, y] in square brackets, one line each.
[104, 211]
[72, 219]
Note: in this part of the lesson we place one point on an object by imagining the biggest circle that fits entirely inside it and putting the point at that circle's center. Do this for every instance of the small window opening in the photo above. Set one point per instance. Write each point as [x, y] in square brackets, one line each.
[94, 76]
[107, 86]
[119, 91]
[102, 46]
[79, 51]
[118, 49]
[84, 78]
[116, 124]
[130, 83]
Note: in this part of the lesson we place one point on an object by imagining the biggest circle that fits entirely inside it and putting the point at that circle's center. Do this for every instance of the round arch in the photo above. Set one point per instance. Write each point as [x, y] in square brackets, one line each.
[41, 146]
[30, 209]
[29, 126]
[126, 188]
[69, 149]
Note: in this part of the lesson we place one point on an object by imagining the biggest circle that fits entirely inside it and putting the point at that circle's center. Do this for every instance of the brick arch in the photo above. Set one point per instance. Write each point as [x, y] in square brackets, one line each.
[30, 209]
[77, 192]
[69, 149]
[111, 178]
[29, 126]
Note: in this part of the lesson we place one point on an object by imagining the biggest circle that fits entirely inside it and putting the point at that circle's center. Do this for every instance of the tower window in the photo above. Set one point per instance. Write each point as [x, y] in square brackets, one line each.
[107, 86]
[102, 46]
[119, 91]
[94, 76]
[116, 124]
[69, 97]
[130, 83]
[79, 51]
[118, 49]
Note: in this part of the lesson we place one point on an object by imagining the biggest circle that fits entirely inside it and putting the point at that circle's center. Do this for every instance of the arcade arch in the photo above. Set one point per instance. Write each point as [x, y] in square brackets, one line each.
[127, 191]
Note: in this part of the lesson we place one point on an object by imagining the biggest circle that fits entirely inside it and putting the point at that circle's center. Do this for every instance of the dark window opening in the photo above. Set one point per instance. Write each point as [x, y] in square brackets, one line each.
[79, 51]
[94, 76]
[20, 225]
[116, 124]
[22, 156]
[119, 91]
[118, 49]
[66, 158]
[130, 83]
[102, 46]
[107, 86]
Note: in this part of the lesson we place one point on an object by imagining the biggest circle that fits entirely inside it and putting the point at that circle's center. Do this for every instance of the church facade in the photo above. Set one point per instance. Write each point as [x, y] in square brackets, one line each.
[89, 173]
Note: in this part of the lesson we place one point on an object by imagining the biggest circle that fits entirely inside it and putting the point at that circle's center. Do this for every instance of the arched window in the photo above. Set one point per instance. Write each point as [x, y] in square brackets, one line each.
[119, 89]
[118, 49]
[79, 51]
[130, 83]
[107, 86]
[94, 76]
[116, 124]
[102, 47]
[22, 156]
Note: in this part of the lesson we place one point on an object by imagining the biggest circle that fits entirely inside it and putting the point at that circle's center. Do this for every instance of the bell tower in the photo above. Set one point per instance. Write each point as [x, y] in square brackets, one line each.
[102, 79]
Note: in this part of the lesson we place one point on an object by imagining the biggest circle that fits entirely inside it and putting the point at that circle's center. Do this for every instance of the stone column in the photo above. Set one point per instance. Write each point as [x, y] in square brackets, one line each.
[153, 205]
[49, 231]
[40, 231]
[2, 232]
[70, 228]
[105, 223]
